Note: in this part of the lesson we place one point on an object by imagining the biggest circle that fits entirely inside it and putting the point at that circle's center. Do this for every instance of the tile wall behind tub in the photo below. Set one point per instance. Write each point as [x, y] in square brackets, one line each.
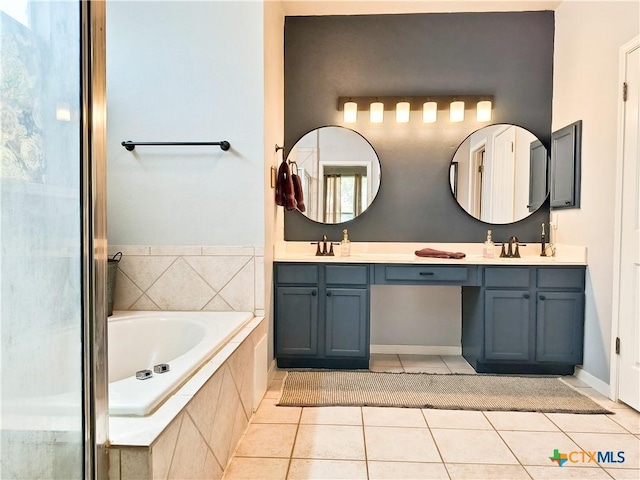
[189, 278]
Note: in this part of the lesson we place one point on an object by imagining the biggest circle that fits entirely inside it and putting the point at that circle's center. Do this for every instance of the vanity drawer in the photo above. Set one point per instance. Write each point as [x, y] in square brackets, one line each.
[347, 274]
[506, 277]
[427, 274]
[296, 273]
[555, 277]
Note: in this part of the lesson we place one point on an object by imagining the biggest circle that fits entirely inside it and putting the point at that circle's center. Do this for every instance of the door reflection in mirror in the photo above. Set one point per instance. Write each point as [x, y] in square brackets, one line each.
[501, 174]
[340, 173]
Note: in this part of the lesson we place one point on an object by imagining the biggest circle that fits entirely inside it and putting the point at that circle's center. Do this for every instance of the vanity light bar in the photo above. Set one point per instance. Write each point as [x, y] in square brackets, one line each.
[429, 106]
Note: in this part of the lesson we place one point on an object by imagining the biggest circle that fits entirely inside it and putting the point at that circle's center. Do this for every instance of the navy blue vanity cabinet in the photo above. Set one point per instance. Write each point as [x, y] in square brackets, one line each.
[525, 320]
[324, 324]
[559, 315]
[296, 309]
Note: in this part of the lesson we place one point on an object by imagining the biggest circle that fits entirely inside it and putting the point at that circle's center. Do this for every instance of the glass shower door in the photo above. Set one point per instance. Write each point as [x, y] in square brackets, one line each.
[41, 315]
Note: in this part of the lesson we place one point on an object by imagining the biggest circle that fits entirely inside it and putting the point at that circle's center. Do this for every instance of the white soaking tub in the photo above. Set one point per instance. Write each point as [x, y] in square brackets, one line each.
[141, 340]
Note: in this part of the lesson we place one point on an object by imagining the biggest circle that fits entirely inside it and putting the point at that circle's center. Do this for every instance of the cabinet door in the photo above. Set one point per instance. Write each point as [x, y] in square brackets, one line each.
[560, 327]
[506, 317]
[296, 325]
[346, 327]
[565, 166]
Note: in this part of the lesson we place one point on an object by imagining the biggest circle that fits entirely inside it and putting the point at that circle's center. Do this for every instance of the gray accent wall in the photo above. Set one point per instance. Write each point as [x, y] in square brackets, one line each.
[508, 55]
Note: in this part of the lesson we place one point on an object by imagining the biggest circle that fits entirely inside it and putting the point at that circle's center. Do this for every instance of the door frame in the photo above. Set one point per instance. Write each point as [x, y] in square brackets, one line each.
[617, 230]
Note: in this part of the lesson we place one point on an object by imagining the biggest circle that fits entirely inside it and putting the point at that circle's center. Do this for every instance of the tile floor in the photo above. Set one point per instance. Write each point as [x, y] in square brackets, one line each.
[404, 443]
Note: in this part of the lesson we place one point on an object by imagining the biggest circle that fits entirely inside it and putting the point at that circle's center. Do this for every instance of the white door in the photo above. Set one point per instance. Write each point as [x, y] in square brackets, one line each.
[629, 299]
[503, 171]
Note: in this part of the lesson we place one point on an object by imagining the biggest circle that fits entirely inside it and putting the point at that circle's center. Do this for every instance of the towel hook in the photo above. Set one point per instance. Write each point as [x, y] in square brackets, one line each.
[279, 148]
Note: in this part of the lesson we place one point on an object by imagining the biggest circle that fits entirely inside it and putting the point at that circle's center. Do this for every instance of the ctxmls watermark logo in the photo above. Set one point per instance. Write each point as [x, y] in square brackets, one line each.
[581, 456]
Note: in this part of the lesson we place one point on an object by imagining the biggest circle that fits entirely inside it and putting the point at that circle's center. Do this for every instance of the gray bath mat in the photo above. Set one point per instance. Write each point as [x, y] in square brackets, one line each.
[422, 390]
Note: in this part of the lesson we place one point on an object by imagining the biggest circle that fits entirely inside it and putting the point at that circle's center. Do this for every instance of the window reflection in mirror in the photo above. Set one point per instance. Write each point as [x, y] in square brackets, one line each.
[499, 174]
[340, 173]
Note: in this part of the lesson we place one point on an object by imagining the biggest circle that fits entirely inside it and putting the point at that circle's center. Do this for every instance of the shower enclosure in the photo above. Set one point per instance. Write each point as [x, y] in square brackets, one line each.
[52, 240]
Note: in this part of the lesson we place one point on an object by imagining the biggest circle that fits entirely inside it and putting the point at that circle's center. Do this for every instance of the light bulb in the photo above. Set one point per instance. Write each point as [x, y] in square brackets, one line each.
[350, 112]
[429, 112]
[403, 110]
[376, 112]
[456, 112]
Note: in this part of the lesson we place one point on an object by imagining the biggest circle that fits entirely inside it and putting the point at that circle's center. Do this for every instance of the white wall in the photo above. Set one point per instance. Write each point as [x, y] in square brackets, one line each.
[587, 42]
[186, 71]
[273, 135]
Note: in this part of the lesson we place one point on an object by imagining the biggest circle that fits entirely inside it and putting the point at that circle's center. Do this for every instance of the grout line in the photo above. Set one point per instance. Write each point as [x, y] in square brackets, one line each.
[293, 445]
[512, 453]
[364, 440]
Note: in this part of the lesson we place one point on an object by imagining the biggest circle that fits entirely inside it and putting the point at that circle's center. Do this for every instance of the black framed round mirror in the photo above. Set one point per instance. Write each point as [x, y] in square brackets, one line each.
[339, 171]
[499, 174]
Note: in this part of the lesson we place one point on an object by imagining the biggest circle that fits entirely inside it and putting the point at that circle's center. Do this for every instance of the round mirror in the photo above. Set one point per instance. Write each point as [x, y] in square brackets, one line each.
[499, 174]
[339, 171]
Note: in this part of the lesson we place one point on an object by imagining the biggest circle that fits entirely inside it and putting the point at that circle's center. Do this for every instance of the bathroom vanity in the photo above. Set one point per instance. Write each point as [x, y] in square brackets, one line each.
[522, 315]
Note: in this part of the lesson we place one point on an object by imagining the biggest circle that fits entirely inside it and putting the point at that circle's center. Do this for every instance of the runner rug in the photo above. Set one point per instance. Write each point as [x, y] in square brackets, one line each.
[421, 390]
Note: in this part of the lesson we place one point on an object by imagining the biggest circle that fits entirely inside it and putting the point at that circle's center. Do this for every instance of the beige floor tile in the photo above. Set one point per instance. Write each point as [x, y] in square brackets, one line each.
[267, 440]
[454, 360]
[467, 370]
[392, 417]
[600, 398]
[422, 361]
[269, 412]
[629, 419]
[471, 471]
[400, 444]
[280, 374]
[331, 416]
[624, 473]
[386, 369]
[406, 471]
[529, 421]
[306, 469]
[426, 369]
[460, 419]
[611, 442]
[585, 423]
[578, 473]
[472, 446]
[535, 448]
[334, 442]
[574, 382]
[384, 359]
[251, 468]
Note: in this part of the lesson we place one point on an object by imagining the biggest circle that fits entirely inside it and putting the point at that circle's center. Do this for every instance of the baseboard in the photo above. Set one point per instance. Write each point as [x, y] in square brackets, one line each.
[416, 349]
[593, 381]
[271, 371]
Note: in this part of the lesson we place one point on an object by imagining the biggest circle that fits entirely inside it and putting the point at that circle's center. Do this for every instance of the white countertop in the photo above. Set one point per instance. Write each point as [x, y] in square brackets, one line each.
[404, 253]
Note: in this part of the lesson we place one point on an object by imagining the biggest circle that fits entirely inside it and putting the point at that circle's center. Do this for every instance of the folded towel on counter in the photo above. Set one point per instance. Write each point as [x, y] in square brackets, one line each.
[430, 252]
[285, 195]
[297, 191]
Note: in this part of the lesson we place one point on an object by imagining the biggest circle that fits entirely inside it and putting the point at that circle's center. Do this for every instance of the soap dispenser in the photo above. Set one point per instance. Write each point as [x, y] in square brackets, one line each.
[345, 244]
[488, 249]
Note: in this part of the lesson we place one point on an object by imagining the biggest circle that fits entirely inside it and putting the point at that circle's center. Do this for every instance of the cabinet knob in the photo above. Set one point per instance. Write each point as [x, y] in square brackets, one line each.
[567, 202]
[526, 295]
[426, 273]
[542, 297]
[328, 294]
[313, 293]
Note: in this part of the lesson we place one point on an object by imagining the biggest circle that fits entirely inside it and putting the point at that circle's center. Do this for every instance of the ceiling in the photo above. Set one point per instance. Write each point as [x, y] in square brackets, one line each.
[370, 7]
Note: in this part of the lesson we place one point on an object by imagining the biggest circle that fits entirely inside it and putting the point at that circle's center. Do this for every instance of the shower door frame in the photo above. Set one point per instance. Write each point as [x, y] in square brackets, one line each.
[94, 238]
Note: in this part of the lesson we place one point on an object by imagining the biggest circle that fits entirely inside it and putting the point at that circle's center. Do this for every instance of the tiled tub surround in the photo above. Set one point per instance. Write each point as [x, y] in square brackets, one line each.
[190, 278]
[194, 433]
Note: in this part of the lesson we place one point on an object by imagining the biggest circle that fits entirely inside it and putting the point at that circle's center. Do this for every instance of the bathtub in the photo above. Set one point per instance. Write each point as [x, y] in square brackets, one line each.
[141, 340]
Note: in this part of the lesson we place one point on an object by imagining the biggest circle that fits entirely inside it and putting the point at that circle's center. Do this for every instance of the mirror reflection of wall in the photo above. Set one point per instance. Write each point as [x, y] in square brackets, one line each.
[499, 174]
[340, 173]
